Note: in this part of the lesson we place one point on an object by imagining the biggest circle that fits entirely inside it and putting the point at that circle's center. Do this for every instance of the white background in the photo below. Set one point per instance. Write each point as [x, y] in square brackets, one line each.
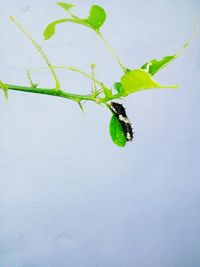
[68, 196]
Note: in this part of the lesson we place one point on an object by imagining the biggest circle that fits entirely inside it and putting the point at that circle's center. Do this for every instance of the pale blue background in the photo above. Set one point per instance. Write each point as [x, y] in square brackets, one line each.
[68, 196]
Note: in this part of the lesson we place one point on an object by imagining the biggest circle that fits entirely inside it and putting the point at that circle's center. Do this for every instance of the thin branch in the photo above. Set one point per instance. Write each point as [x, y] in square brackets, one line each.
[60, 93]
[71, 69]
[39, 50]
[112, 51]
[49, 91]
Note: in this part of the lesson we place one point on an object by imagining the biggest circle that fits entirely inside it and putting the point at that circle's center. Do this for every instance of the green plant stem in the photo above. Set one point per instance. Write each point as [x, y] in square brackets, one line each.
[60, 93]
[190, 39]
[112, 51]
[39, 50]
[94, 86]
[48, 91]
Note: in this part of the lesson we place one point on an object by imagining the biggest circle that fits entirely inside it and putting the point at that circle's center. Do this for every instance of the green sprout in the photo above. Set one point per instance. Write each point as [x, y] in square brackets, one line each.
[131, 81]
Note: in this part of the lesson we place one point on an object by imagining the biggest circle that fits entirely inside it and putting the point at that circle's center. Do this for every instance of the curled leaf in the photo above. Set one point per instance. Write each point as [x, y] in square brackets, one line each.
[139, 79]
[116, 132]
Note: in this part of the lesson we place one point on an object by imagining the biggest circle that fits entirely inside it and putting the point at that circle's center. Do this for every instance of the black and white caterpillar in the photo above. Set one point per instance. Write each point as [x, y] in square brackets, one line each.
[120, 113]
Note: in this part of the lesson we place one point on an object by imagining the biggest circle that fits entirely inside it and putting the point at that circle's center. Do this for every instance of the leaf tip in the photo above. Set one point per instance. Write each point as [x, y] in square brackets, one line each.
[45, 37]
[49, 31]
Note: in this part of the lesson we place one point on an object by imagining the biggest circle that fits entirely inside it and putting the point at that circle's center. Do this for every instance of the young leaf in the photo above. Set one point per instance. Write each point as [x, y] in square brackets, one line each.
[65, 6]
[51, 28]
[116, 132]
[97, 17]
[139, 79]
[94, 21]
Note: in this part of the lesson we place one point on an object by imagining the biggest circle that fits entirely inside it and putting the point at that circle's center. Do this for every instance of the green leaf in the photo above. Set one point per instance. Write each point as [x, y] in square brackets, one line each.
[65, 6]
[116, 132]
[139, 79]
[94, 21]
[51, 28]
[155, 65]
[97, 17]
